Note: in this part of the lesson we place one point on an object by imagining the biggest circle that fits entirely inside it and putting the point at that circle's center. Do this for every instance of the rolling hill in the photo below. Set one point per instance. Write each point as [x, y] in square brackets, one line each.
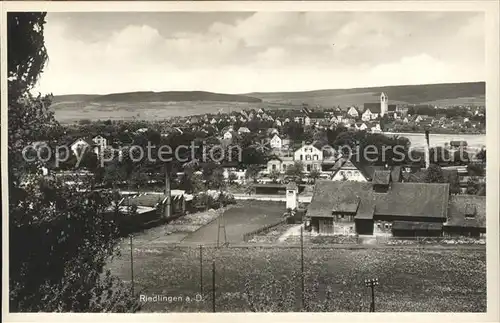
[443, 94]
[149, 96]
[161, 105]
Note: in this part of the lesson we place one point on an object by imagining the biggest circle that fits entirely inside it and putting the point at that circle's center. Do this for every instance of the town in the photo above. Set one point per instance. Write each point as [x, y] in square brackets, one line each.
[259, 154]
[257, 202]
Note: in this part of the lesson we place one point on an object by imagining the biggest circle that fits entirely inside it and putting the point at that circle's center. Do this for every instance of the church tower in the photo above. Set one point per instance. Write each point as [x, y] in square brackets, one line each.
[383, 104]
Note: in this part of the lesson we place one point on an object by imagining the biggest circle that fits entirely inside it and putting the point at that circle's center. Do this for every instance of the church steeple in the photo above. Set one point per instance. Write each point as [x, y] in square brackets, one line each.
[383, 104]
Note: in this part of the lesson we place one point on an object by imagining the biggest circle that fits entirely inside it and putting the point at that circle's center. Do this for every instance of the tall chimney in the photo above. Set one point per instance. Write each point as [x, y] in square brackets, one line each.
[167, 210]
[427, 152]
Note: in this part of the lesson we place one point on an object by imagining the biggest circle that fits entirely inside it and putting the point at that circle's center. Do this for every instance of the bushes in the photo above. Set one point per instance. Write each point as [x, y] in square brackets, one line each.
[212, 200]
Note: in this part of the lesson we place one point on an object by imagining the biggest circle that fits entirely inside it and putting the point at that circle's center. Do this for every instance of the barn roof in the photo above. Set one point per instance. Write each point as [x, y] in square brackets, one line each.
[462, 205]
[149, 200]
[402, 199]
[382, 177]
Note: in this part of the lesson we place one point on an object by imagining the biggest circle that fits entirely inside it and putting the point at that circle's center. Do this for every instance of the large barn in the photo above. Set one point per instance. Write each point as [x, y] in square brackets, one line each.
[385, 207]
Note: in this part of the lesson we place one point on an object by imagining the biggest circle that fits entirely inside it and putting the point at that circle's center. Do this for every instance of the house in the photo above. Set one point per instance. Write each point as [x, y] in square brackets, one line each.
[272, 131]
[307, 121]
[353, 112]
[276, 142]
[335, 119]
[360, 126]
[80, 145]
[101, 144]
[380, 207]
[279, 163]
[243, 130]
[311, 156]
[375, 127]
[154, 203]
[345, 170]
[368, 114]
[466, 216]
[228, 135]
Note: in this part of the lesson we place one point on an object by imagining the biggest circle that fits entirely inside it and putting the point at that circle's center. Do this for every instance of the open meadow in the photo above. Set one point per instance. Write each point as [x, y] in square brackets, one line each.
[268, 279]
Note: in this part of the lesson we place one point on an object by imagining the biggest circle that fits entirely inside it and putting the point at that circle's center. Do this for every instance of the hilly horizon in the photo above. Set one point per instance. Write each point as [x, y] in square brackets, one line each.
[153, 105]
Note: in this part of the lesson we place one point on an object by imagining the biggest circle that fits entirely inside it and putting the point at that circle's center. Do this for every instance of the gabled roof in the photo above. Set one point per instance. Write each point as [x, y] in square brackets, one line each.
[381, 177]
[460, 205]
[149, 200]
[402, 199]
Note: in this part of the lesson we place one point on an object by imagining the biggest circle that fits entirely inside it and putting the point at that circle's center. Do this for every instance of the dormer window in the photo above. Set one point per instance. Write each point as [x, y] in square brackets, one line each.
[470, 211]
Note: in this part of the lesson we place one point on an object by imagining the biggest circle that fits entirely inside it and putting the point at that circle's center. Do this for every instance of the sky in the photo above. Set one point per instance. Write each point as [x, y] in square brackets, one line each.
[243, 52]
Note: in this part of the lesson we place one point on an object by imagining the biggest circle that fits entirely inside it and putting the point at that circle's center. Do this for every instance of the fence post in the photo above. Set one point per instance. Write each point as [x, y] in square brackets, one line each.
[201, 270]
[131, 265]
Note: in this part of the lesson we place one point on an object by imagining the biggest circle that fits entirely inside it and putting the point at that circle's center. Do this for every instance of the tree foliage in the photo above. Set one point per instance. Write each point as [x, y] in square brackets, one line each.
[60, 237]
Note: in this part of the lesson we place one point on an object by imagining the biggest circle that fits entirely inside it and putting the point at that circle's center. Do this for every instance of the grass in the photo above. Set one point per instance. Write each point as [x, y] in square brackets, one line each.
[241, 218]
[422, 280]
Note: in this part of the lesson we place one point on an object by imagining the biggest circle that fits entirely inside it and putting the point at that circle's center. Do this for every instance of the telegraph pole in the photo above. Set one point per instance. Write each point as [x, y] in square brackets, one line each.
[372, 283]
[213, 286]
[201, 270]
[131, 265]
[302, 265]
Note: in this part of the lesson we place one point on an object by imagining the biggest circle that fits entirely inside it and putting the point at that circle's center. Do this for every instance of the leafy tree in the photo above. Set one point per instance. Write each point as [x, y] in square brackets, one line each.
[252, 172]
[217, 179]
[197, 183]
[296, 171]
[274, 175]
[232, 177]
[481, 155]
[314, 174]
[475, 170]
[434, 174]
[59, 237]
[294, 131]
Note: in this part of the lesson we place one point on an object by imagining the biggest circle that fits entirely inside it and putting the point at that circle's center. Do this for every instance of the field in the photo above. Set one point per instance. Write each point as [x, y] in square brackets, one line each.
[72, 111]
[267, 279]
[245, 217]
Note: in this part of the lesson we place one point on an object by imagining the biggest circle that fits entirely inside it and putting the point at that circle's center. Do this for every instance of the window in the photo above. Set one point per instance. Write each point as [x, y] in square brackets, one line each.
[284, 167]
[274, 167]
[342, 216]
[387, 226]
[308, 157]
[315, 157]
[290, 192]
[301, 157]
[308, 168]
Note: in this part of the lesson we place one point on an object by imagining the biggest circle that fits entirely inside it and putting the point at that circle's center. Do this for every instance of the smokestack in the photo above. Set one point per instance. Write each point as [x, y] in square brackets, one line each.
[427, 148]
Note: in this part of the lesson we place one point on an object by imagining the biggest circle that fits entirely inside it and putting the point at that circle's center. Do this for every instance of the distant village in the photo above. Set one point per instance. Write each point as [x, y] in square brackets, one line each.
[282, 157]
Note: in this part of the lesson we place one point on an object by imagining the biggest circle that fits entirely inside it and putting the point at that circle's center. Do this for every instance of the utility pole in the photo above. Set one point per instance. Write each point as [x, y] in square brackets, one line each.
[372, 283]
[302, 265]
[131, 265]
[213, 286]
[201, 270]
[167, 194]
[221, 224]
